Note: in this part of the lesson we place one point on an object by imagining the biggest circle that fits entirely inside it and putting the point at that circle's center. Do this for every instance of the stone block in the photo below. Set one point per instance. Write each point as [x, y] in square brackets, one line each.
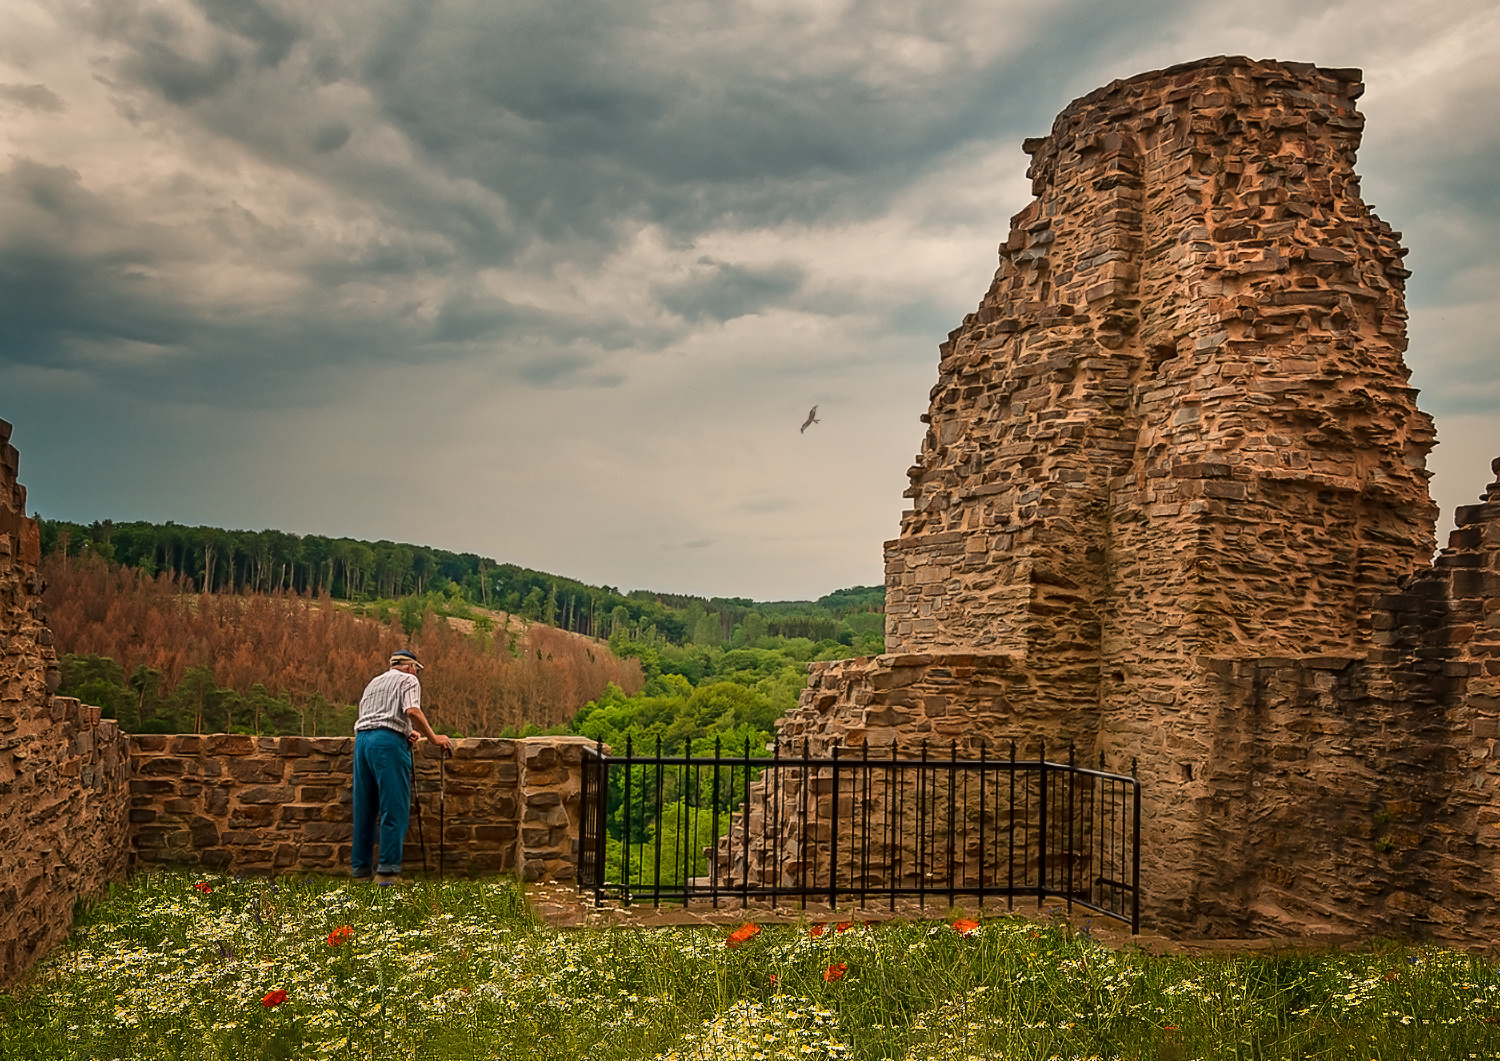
[251, 816]
[228, 744]
[256, 770]
[266, 794]
[160, 787]
[472, 769]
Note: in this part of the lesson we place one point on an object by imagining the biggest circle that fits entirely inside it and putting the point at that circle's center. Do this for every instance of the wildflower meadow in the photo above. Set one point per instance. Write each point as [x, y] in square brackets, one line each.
[211, 967]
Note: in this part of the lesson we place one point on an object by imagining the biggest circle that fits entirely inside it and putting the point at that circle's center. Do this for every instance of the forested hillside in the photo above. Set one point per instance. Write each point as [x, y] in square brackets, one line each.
[173, 628]
[162, 659]
[211, 559]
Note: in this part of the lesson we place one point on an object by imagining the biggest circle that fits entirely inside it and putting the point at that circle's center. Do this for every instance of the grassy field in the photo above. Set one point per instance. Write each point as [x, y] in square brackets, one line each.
[207, 967]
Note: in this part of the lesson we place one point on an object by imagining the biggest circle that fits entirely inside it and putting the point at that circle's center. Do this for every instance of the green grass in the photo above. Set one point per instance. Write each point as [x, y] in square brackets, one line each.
[157, 969]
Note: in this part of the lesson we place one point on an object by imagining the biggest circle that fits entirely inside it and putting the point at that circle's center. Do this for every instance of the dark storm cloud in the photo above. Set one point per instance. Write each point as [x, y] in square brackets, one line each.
[722, 291]
[450, 140]
[331, 136]
[182, 78]
[32, 97]
[272, 32]
[52, 289]
[579, 115]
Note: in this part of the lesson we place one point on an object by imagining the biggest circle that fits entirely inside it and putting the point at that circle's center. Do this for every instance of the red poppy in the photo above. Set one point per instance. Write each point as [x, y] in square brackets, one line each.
[773, 978]
[342, 934]
[741, 934]
[835, 972]
[203, 886]
[273, 998]
[844, 926]
[964, 927]
[816, 931]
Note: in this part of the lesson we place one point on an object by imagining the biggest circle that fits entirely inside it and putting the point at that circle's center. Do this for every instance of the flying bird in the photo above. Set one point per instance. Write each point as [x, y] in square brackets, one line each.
[812, 418]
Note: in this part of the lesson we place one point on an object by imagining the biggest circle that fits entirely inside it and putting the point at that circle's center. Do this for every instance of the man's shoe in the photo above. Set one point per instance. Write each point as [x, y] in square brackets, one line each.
[385, 880]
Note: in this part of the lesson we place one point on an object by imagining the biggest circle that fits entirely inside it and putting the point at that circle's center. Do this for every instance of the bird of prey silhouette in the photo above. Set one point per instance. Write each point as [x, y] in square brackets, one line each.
[812, 418]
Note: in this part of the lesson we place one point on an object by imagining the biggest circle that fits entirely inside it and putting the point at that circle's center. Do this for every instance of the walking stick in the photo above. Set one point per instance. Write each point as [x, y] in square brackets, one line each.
[417, 799]
[442, 811]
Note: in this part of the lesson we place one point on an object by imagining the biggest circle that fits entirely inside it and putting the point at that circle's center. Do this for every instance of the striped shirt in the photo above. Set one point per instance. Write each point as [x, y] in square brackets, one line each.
[386, 701]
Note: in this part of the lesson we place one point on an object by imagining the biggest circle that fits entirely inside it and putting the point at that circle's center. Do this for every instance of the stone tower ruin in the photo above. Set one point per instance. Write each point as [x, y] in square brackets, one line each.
[1171, 507]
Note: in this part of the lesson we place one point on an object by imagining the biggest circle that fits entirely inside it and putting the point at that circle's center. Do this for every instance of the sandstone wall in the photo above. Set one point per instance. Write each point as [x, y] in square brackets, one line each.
[62, 771]
[1172, 506]
[1360, 790]
[276, 804]
[1181, 405]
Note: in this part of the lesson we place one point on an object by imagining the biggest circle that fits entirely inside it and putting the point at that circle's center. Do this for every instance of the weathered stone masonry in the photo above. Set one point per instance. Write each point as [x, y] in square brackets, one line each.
[1172, 506]
[62, 771]
[272, 804]
[81, 803]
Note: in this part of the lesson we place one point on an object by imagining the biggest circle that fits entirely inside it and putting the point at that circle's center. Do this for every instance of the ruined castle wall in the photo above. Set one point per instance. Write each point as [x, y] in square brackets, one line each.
[1360, 791]
[62, 771]
[1173, 460]
[1182, 401]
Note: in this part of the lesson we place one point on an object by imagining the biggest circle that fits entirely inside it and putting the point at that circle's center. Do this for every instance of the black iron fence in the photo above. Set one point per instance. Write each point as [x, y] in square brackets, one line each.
[850, 826]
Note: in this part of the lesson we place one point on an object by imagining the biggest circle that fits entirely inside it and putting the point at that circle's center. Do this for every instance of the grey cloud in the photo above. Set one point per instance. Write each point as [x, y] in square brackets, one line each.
[179, 78]
[767, 505]
[555, 131]
[51, 286]
[331, 136]
[722, 291]
[272, 31]
[83, 288]
[574, 128]
[32, 97]
[581, 116]
[567, 368]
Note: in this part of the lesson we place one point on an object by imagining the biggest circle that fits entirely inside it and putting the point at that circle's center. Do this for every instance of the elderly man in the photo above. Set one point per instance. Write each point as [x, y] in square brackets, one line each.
[390, 719]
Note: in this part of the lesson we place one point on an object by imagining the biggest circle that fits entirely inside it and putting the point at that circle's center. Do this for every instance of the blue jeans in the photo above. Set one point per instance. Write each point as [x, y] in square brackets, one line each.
[382, 799]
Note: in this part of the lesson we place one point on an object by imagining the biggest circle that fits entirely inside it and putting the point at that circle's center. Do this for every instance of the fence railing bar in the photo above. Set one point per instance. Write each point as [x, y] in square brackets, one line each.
[660, 792]
[713, 865]
[982, 848]
[805, 784]
[864, 803]
[1041, 875]
[895, 800]
[1135, 875]
[1010, 862]
[1070, 823]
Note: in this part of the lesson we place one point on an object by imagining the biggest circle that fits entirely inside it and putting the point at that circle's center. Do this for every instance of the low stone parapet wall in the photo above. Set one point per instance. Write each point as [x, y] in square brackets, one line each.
[280, 804]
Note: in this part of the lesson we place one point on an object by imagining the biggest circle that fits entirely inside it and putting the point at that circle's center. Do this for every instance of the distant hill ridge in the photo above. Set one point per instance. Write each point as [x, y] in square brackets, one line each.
[420, 578]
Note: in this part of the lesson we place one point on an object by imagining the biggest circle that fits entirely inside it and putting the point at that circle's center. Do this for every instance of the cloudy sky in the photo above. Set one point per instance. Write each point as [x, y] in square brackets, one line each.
[556, 281]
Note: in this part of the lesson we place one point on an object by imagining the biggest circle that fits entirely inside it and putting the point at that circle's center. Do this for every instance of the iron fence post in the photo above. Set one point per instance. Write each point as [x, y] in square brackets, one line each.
[625, 825]
[713, 878]
[833, 836]
[1041, 852]
[1135, 871]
